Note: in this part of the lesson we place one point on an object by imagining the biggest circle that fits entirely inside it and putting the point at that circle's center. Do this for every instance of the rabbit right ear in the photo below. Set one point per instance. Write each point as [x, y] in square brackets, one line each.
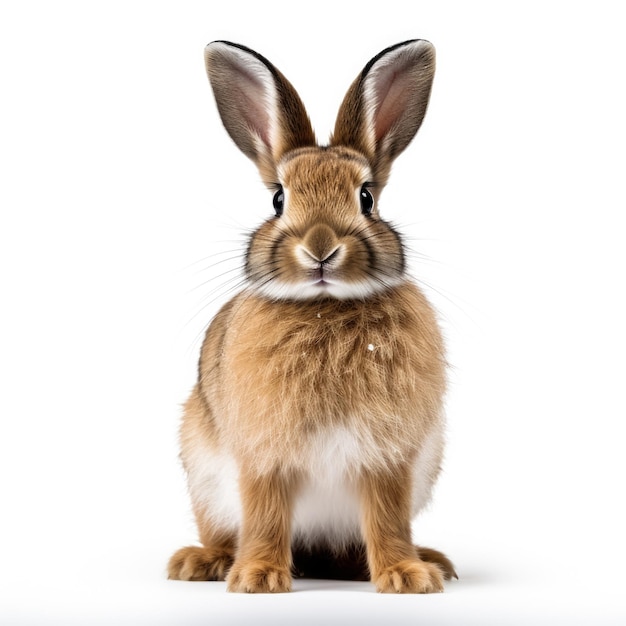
[260, 109]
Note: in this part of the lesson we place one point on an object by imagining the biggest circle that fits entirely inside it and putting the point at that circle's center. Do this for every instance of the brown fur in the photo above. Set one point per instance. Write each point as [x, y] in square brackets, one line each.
[267, 373]
[282, 375]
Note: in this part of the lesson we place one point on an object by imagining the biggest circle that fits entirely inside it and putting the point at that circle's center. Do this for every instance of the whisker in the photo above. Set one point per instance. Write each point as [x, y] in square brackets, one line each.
[216, 277]
[220, 293]
[235, 256]
[206, 258]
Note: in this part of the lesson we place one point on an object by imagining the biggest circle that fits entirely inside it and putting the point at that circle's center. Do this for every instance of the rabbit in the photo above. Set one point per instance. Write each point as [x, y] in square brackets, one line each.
[315, 431]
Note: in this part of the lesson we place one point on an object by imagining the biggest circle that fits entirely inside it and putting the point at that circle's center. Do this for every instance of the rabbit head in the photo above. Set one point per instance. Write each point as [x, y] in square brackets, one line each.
[326, 239]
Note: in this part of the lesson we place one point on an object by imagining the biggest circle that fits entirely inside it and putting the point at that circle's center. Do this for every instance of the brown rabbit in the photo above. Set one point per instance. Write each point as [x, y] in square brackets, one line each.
[315, 431]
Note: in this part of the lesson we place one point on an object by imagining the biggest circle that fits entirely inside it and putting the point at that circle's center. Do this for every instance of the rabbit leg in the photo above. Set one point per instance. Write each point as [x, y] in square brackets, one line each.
[263, 561]
[394, 562]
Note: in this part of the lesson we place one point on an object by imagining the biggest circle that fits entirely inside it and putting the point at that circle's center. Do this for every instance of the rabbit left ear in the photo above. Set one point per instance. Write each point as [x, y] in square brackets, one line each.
[386, 104]
[259, 107]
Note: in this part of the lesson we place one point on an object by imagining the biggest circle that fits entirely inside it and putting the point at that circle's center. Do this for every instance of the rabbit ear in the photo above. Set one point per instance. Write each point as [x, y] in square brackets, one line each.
[259, 108]
[386, 104]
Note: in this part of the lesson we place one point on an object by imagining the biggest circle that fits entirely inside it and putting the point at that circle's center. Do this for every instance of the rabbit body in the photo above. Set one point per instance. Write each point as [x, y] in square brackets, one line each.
[263, 401]
[315, 430]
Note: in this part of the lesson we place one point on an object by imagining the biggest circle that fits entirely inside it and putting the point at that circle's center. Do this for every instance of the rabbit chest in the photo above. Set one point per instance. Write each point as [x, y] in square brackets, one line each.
[295, 378]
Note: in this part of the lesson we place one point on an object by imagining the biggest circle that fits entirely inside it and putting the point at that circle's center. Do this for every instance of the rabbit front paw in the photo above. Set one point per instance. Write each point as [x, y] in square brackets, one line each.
[410, 576]
[258, 577]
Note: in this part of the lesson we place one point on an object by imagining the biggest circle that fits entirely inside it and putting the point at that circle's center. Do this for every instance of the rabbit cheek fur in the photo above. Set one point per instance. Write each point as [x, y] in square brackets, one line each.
[315, 431]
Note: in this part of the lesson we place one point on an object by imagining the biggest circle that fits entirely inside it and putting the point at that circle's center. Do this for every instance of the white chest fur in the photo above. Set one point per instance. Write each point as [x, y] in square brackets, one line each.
[327, 504]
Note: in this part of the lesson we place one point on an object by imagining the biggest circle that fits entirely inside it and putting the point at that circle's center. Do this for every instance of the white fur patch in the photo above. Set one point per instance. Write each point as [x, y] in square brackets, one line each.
[426, 469]
[327, 505]
[214, 484]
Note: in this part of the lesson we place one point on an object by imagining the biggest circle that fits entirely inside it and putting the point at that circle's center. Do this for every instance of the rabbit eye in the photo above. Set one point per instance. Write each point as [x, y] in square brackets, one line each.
[279, 201]
[367, 201]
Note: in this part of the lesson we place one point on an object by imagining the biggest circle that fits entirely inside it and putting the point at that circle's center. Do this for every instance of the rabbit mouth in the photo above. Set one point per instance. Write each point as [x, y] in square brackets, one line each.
[321, 278]
[322, 284]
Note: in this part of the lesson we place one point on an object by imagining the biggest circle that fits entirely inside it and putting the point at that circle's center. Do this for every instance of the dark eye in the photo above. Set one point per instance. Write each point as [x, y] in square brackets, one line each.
[367, 201]
[279, 201]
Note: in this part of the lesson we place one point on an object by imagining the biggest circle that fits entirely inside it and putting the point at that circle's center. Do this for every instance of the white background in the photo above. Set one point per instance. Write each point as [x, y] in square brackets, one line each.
[118, 184]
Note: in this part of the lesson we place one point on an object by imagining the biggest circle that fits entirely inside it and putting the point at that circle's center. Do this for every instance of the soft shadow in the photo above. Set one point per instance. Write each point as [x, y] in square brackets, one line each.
[316, 584]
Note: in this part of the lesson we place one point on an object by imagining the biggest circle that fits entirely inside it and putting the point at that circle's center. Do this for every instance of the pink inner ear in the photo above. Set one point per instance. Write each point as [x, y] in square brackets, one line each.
[251, 100]
[392, 89]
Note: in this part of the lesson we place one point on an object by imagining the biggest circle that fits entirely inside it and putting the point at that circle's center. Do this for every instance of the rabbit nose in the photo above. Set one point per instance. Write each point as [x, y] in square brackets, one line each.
[320, 245]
